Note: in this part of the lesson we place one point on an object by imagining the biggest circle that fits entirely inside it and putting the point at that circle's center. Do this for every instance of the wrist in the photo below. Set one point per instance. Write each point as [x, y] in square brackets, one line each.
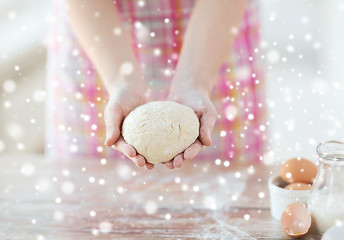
[196, 76]
[184, 89]
[115, 72]
[116, 81]
[191, 81]
[125, 89]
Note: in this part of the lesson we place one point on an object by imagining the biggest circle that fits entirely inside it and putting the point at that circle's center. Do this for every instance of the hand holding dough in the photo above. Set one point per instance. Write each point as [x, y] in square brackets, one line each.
[160, 130]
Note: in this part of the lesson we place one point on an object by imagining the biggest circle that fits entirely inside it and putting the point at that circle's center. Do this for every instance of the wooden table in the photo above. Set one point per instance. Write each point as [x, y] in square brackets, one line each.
[113, 199]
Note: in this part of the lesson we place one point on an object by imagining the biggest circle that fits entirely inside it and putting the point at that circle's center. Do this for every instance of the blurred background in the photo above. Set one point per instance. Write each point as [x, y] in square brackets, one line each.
[302, 50]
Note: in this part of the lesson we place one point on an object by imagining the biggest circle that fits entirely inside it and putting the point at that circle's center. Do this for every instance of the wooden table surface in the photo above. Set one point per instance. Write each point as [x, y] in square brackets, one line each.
[98, 199]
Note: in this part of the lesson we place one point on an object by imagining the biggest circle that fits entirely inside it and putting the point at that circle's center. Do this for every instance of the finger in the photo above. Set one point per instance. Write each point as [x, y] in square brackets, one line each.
[169, 165]
[113, 119]
[194, 149]
[125, 148]
[149, 166]
[178, 160]
[139, 160]
[207, 125]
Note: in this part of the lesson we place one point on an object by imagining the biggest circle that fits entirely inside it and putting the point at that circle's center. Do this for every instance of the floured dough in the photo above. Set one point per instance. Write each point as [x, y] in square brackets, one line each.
[160, 130]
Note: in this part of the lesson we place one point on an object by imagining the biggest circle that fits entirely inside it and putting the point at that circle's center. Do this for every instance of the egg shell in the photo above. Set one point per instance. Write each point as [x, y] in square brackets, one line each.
[298, 186]
[298, 170]
[296, 220]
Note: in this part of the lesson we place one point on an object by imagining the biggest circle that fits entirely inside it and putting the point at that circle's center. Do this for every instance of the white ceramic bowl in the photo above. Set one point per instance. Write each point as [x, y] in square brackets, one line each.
[280, 197]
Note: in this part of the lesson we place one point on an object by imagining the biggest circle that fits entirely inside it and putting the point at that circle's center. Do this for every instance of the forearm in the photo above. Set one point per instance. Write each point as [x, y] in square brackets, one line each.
[207, 42]
[99, 30]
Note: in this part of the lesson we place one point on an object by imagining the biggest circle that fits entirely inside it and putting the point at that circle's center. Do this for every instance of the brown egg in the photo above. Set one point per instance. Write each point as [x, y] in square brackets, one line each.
[296, 220]
[299, 186]
[298, 170]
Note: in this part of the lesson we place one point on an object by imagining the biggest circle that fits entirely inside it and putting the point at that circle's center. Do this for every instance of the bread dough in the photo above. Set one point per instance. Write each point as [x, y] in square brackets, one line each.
[160, 130]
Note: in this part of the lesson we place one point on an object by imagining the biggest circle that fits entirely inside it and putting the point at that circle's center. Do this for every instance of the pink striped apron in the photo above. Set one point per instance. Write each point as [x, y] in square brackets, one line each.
[76, 96]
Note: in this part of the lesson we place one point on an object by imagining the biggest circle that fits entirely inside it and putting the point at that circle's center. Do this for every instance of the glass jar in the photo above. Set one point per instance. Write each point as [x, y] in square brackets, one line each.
[326, 202]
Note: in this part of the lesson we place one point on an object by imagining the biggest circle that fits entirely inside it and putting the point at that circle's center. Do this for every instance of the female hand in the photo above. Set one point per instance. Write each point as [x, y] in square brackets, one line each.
[122, 100]
[200, 102]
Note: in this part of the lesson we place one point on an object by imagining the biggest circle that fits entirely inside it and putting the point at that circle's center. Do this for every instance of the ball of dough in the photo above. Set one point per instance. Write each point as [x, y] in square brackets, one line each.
[160, 130]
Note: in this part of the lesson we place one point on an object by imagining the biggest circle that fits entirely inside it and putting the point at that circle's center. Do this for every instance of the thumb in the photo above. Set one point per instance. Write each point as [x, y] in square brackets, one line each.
[112, 135]
[113, 120]
[207, 125]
